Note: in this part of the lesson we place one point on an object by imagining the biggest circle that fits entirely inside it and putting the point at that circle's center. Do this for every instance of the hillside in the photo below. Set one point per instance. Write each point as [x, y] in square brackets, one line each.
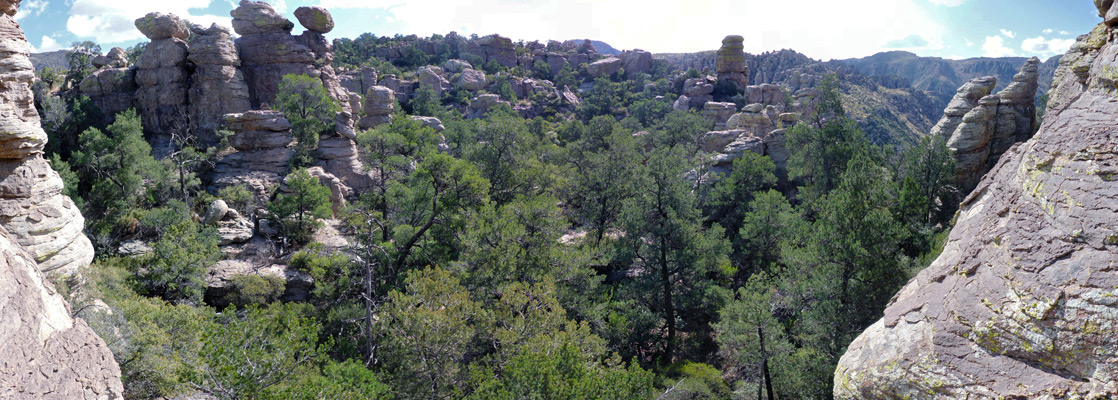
[53, 59]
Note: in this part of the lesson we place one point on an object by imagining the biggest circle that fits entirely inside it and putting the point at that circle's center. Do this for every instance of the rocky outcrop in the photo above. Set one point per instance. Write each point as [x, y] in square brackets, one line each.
[264, 143]
[380, 102]
[472, 80]
[604, 67]
[161, 74]
[481, 104]
[116, 58]
[1020, 304]
[32, 208]
[730, 62]
[360, 80]
[493, 48]
[635, 62]
[217, 86]
[112, 90]
[432, 78]
[979, 127]
[268, 51]
[44, 352]
[718, 113]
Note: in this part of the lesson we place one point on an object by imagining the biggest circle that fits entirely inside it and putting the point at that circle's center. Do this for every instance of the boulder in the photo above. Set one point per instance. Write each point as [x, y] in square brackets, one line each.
[158, 26]
[258, 17]
[233, 228]
[431, 122]
[636, 62]
[432, 78]
[455, 66]
[315, 18]
[604, 67]
[481, 104]
[1020, 303]
[472, 80]
[215, 212]
[493, 48]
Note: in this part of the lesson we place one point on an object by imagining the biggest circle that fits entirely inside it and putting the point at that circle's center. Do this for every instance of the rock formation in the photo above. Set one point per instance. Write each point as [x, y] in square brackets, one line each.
[493, 48]
[268, 51]
[116, 58]
[979, 127]
[636, 62]
[380, 102]
[604, 67]
[112, 90]
[44, 353]
[217, 87]
[264, 143]
[161, 74]
[32, 208]
[730, 62]
[1021, 303]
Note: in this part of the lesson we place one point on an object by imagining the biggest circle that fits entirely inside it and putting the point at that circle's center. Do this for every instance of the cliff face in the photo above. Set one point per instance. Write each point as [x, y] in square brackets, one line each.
[32, 208]
[1021, 303]
[44, 353]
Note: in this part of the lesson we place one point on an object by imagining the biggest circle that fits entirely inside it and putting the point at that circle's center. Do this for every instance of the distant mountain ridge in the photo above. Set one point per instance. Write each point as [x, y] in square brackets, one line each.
[54, 59]
[604, 48]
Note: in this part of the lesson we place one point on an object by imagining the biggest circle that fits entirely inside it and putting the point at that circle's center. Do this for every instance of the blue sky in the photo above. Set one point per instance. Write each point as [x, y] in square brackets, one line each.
[822, 29]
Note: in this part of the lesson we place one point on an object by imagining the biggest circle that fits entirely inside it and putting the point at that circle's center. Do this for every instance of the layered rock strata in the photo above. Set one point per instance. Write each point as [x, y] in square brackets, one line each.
[1020, 304]
[730, 62]
[32, 208]
[44, 352]
[217, 85]
[264, 147]
[161, 74]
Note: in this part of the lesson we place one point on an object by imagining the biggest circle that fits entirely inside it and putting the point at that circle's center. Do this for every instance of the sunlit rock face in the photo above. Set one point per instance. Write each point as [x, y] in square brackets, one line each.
[32, 208]
[1023, 301]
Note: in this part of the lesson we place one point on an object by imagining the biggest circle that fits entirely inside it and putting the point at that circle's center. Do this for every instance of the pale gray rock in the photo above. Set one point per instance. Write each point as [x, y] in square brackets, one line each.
[455, 66]
[215, 212]
[380, 103]
[718, 113]
[258, 17]
[604, 67]
[217, 86]
[431, 122]
[472, 80]
[730, 62]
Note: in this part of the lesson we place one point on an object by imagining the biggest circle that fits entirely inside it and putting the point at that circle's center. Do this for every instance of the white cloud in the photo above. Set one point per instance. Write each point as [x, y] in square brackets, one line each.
[113, 21]
[31, 8]
[674, 26]
[947, 3]
[1047, 31]
[1008, 33]
[1046, 47]
[995, 47]
[969, 43]
[46, 44]
[1065, 33]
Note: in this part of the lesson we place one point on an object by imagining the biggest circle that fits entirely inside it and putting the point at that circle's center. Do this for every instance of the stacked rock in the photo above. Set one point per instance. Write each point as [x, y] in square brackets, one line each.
[730, 62]
[161, 74]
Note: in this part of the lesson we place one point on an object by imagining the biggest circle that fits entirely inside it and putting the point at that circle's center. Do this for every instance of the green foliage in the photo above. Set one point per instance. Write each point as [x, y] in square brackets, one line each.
[680, 128]
[541, 70]
[306, 104]
[239, 198]
[697, 381]
[565, 374]
[255, 289]
[425, 102]
[413, 57]
[819, 155]
[503, 88]
[247, 352]
[750, 173]
[176, 267]
[133, 52]
[70, 179]
[79, 60]
[296, 214]
[348, 380]
[155, 343]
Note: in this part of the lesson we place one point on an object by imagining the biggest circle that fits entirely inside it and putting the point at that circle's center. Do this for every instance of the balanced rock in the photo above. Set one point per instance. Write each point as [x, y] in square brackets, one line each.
[258, 17]
[730, 62]
[1020, 304]
[158, 26]
[315, 18]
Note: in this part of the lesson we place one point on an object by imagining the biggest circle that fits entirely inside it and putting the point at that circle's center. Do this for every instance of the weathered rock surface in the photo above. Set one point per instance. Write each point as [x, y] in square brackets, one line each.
[267, 50]
[432, 78]
[44, 353]
[380, 102]
[1021, 302]
[718, 113]
[162, 77]
[730, 62]
[455, 66]
[112, 89]
[472, 80]
[494, 47]
[158, 26]
[315, 18]
[116, 58]
[32, 208]
[217, 86]
[258, 17]
[264, 143]
[604, 67]
[636, 62]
